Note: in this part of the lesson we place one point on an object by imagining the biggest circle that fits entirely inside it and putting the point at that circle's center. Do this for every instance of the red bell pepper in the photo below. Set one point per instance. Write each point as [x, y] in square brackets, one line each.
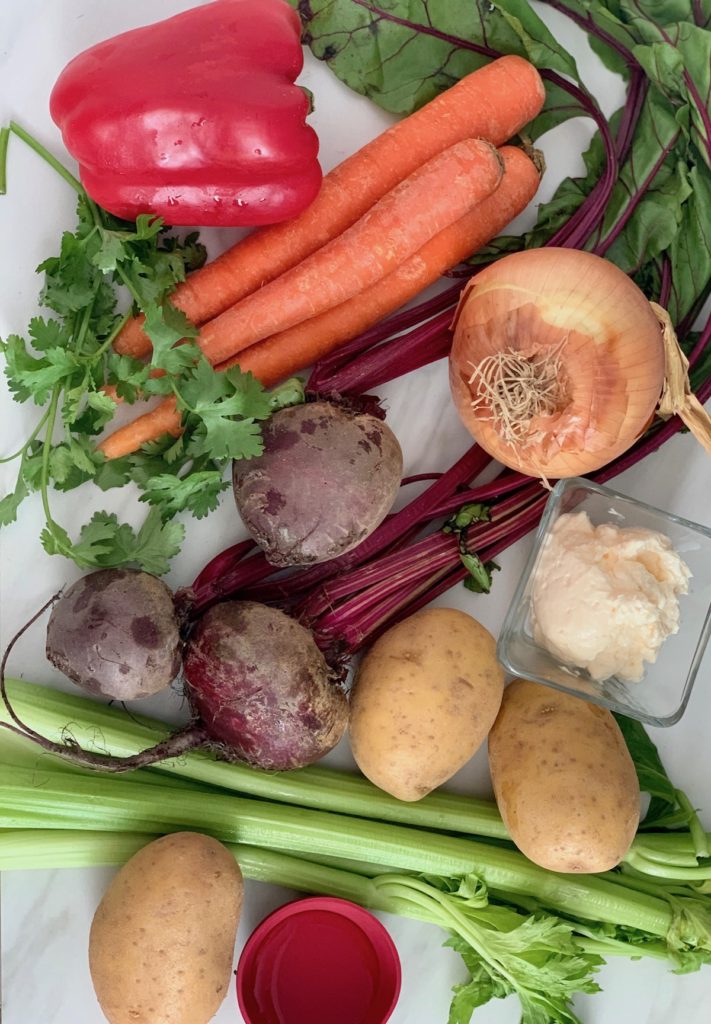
[196, 118]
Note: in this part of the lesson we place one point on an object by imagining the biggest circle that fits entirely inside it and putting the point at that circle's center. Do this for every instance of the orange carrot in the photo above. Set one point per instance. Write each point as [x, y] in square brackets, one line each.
[277, 357]
[164, 419]
[281, 355]
[492, 103]
[433, 197]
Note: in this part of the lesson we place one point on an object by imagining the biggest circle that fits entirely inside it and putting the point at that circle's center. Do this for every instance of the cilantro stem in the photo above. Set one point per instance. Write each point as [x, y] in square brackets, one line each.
[84, 326]
[41, 151]
[44, 481]
[28, 442]
[111, 338]
[4, 139]
[97, 214]
[182, 403]
[128, 283]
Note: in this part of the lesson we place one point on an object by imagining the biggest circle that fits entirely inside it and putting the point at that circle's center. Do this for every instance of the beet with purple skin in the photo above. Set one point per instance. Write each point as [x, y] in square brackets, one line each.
[262, 687]
[115, 633]
[327, 478]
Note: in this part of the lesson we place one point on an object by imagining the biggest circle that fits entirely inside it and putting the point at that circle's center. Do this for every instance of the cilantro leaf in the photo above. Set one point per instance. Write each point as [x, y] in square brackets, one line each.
[110, 254]
[256, 402]
[47, 334]
[198, 493]
[223, 410]
[71, 279]
[127, 375]
[148, 226]
[166, 326]
[113, 473]
[156, 543]
[106, 543]
[220, 435]
[99, 410]
[56, 541]
[73, 462]
[74, 398]
[12, 501]
[16, 363]
[31, 377]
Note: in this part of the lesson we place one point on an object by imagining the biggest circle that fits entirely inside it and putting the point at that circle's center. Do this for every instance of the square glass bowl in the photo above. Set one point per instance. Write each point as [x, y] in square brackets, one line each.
[660, 698]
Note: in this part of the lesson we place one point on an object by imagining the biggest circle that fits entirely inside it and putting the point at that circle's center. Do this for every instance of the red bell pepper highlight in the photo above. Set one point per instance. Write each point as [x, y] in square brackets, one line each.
[195, 119]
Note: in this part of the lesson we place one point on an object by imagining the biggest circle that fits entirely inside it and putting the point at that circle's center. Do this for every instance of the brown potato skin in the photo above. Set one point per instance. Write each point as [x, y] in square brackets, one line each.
[564, 780]
[425, 696]
[162, 940]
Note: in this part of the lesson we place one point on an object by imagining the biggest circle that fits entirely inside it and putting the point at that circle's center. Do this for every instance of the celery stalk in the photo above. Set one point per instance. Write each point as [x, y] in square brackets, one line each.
[49, 849]
[100, 728]
[52, 849]
[118, 805]
[466, 912]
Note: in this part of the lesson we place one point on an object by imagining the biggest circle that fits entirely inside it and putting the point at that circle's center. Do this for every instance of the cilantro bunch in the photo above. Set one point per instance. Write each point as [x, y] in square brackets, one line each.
[66, 361]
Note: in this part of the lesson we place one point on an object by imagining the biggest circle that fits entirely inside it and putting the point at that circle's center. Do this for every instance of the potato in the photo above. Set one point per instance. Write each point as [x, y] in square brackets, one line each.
[163, 937]
[564, 780]
[423, 701]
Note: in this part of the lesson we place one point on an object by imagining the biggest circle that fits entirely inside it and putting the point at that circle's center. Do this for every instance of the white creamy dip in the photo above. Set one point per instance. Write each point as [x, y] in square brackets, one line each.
[605, 598]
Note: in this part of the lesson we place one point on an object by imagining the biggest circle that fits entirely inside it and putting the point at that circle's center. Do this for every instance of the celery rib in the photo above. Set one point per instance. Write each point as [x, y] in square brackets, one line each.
[100, 728]
[115, 804]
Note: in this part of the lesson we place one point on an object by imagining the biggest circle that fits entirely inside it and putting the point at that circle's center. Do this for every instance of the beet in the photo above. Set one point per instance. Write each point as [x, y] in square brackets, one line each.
[327, 478]
[115, 633]
[262, 687]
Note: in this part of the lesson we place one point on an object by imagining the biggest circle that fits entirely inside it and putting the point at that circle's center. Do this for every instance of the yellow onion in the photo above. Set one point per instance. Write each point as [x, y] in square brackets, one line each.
[557, 363]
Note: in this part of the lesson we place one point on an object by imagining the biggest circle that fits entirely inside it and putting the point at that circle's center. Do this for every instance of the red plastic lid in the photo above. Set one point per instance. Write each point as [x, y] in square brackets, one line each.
[319, 961]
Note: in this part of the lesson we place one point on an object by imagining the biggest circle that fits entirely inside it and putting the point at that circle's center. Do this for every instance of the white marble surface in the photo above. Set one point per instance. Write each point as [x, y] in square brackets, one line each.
[46, 915]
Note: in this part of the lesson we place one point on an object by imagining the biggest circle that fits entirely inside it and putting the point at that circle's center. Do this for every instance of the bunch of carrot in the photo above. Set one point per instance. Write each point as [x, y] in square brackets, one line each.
[389, 221]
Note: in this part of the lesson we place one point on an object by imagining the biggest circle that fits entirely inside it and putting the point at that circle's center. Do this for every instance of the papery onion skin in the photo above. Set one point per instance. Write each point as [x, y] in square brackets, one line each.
[583, 310]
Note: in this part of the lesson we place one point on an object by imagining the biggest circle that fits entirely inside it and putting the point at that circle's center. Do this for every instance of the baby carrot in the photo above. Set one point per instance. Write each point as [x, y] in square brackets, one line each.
[492, 103]
[164, 419]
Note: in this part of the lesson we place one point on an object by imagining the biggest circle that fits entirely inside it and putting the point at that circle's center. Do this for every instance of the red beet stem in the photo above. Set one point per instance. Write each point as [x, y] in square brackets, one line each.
[402, 354]
[222, 564]
[326, 368]
[424, 561]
